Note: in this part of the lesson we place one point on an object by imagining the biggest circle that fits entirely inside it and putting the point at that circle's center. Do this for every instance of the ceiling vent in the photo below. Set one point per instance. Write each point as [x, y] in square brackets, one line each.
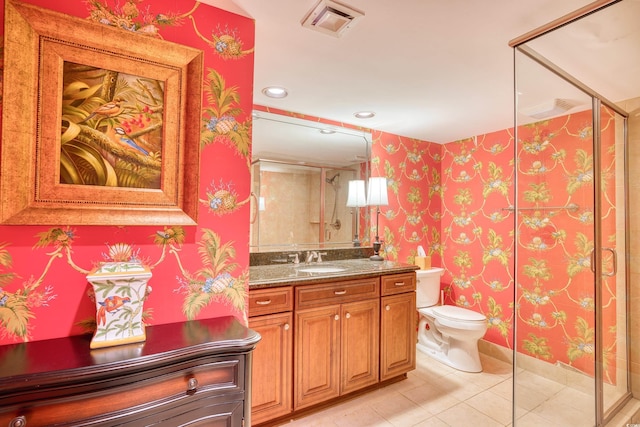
[554, 107]
[332, 18]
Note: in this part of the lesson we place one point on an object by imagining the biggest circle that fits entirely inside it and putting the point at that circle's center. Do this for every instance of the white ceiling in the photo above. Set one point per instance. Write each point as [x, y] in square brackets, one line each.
[434, 70]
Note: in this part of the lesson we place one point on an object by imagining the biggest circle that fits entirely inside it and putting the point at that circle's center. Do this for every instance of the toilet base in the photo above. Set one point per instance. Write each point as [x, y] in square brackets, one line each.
[472, 364]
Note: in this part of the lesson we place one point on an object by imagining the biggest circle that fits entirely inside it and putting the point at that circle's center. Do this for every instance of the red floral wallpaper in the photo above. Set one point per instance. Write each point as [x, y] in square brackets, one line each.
[412, 218]
[554, 294]
[456, 200]
[555, 290]
[452, 199]
[477, 231]
[199, 271]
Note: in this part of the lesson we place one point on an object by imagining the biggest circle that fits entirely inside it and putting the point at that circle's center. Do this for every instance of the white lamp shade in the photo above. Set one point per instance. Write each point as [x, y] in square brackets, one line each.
[356, 196]
[377, 194]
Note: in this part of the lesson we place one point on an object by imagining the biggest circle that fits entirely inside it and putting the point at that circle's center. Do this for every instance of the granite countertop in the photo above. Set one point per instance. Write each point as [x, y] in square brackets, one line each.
[265, 276]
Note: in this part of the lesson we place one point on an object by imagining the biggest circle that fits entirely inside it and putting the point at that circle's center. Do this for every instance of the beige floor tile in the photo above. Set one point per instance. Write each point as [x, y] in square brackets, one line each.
[564, 415]
[315, 420]
[401, 411]
[432, 422]
[411, 382]
[435, 395]
[504, 389]
[363, 416]
[483, 380]
[528, 398]
[461, 386]
[368, 399]
[464, 415]
[432, 398]
[430, 368]
[492, 405]
[520, 412]
[576, 399]
[533, 420]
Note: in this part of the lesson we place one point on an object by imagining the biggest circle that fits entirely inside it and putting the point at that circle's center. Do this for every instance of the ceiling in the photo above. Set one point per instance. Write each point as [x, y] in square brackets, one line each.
[434, 70]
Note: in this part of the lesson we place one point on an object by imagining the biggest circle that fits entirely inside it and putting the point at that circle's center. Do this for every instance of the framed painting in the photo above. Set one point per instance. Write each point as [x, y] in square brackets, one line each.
[99, 125]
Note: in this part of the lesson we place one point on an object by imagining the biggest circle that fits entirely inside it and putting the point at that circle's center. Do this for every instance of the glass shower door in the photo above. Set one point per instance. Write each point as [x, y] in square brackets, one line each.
[571, 357]
[555, 220]
[613, 275]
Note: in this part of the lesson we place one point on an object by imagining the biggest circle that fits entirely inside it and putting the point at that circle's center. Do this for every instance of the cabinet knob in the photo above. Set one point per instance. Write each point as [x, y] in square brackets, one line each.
[336, 317]
[192, 384]
[20, 421]
[387, 307]
[348, 315]
[286, 326]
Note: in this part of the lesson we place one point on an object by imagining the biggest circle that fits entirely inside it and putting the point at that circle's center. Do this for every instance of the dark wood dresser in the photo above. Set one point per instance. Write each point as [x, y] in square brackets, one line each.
[189, 373]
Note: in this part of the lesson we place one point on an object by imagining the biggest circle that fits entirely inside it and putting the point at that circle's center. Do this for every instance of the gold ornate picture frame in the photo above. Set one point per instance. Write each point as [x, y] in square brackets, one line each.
[60, 160]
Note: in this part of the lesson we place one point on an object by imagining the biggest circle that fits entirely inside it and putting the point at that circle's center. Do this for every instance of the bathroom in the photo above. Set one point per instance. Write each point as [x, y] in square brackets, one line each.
[471, 235]
[492, 284]
[442, 226]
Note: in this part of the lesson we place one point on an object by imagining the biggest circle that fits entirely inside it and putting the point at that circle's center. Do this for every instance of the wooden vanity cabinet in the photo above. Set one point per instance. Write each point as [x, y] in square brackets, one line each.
[336, 339]
[187, 373]
[270, 314]
[398, 332]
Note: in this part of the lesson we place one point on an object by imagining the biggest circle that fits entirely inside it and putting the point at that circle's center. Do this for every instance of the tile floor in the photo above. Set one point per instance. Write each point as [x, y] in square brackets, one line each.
[435, 395]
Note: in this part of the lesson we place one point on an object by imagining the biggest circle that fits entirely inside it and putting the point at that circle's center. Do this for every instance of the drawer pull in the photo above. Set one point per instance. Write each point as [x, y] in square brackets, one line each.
[20, 421]
[264, 302]
[336, 317]
[399, 283]
[342, 292]
[192, 384]
[387, 307]
[348, 315]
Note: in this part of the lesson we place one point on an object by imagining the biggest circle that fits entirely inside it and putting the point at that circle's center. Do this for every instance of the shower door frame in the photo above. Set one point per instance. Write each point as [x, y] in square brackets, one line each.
[598, 101]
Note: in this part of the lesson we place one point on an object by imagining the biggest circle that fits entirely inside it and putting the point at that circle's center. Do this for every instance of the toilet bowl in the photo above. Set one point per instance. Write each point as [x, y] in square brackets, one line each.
[447, 333]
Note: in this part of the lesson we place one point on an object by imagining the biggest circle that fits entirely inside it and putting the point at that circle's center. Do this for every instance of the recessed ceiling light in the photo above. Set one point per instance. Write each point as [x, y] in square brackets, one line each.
[275, 92]
[364, 114]
[327, 131]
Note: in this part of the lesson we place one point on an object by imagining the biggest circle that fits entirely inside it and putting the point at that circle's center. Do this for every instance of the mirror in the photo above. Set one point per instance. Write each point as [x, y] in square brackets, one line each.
[300, 178]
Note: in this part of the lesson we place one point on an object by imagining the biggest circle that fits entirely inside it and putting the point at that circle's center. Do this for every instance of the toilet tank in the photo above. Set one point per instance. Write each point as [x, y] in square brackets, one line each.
[428, 286]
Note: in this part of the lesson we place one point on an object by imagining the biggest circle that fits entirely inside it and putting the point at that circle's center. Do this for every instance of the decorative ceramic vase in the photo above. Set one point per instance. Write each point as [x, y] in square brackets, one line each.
[120, 289]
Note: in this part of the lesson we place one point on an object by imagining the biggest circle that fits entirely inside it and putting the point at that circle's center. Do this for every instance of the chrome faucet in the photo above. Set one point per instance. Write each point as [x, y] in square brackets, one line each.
[296, 259]
[320, 256]
[311, 255]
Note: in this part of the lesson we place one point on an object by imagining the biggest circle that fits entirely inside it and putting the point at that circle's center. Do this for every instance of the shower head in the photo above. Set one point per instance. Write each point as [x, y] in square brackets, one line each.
[334, 180]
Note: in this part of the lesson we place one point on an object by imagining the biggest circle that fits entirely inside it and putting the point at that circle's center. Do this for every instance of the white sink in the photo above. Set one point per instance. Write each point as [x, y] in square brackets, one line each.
[321, 269]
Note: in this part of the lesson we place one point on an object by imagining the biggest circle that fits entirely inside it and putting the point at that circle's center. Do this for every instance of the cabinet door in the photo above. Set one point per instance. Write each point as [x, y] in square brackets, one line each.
[272, 367]
[317, 355]
[398, 335]
[359, 344]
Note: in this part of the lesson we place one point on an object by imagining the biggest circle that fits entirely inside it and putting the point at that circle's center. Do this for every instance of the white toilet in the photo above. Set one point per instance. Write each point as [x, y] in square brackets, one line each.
[447, 333]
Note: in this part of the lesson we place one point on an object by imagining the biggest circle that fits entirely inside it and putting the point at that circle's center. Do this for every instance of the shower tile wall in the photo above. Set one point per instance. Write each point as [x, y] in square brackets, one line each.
[291, 214]
[287, 197]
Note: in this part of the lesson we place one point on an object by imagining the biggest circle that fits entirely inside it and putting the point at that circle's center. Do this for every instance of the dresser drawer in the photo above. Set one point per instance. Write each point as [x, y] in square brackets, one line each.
[337, 292]
[398, 283]
[192, 382]
[269, 301]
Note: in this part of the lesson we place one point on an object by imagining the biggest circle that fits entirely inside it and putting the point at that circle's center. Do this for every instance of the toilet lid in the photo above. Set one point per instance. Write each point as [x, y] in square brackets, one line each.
[457, 313]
